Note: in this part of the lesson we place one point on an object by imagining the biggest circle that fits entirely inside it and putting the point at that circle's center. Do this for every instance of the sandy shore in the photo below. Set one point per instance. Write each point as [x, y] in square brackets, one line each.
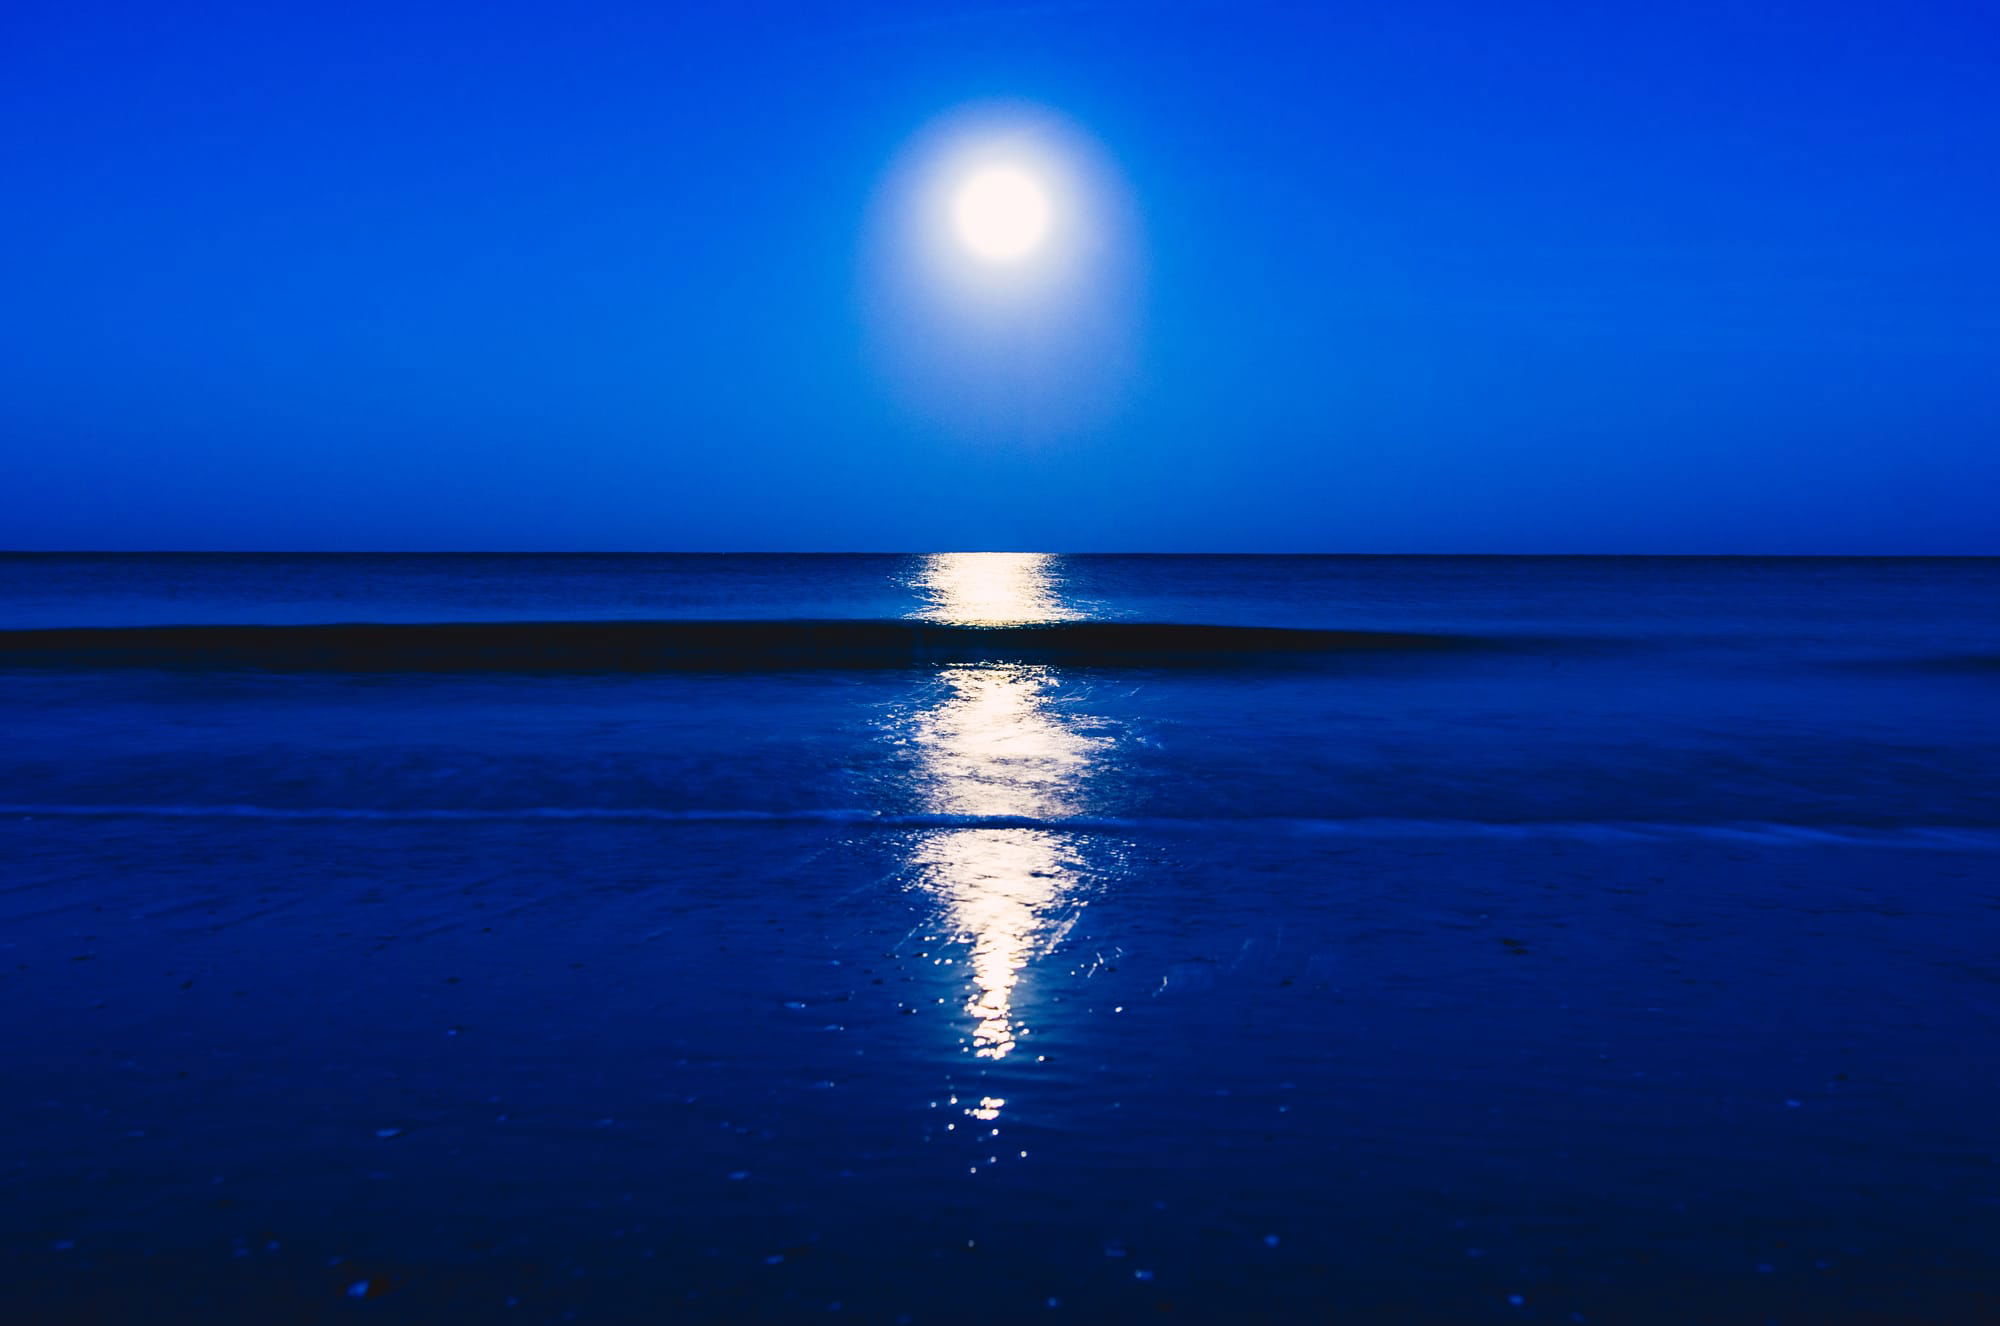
[429, 1072]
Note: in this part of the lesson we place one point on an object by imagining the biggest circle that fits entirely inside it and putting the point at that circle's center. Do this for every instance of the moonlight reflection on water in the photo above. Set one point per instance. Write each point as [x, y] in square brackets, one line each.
[994, 741]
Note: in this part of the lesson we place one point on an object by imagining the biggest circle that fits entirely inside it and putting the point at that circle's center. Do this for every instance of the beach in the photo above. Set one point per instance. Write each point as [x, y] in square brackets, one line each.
[1632, 965]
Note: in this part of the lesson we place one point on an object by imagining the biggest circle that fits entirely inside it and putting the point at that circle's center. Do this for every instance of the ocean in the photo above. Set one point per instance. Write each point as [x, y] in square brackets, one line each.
[983, 936]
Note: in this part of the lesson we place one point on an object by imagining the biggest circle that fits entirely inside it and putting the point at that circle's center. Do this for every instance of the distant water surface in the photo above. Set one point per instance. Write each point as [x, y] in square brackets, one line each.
[1807, 599]
[1819, 693]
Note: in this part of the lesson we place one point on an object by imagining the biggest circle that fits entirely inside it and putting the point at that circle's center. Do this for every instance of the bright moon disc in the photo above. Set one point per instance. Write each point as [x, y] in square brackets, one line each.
[1001, 213]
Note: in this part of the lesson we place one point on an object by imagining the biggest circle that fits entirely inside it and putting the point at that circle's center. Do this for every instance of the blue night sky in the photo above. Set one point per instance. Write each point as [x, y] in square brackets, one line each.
[1427, 277]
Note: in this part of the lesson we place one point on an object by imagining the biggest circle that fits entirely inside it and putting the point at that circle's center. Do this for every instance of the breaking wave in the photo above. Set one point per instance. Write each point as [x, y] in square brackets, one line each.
[687, 646]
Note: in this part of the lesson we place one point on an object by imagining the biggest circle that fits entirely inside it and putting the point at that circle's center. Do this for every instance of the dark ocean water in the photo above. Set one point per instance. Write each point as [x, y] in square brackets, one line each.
[950, 937]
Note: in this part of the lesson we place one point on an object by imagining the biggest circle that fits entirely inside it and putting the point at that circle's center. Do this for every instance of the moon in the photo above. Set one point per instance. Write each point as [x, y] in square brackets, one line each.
[1002, 213]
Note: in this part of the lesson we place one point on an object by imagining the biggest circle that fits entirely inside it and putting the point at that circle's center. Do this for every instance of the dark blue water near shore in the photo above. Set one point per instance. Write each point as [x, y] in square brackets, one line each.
[1817, 693]
[972, 937]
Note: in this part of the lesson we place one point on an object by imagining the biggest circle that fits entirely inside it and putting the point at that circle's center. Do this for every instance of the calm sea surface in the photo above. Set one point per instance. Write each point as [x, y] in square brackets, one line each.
[1693, 692]
[1579, 939]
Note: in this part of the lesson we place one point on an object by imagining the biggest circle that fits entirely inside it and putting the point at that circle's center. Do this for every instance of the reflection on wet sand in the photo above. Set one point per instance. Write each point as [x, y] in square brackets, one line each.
[1000, 888]
[996, 740]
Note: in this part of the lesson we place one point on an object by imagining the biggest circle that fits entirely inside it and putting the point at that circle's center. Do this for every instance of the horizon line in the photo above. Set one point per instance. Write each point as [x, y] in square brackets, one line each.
[932, 552]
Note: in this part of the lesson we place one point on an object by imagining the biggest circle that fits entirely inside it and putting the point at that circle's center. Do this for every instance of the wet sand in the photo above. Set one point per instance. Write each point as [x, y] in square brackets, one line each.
[642, 1072]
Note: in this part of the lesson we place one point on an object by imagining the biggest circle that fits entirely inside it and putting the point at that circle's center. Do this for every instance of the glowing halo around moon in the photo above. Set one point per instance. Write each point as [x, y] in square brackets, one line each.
[1001, 212]
[1001, 273]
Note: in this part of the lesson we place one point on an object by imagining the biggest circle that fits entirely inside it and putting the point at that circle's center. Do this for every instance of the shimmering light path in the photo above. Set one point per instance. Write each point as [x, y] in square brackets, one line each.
[992, 742]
